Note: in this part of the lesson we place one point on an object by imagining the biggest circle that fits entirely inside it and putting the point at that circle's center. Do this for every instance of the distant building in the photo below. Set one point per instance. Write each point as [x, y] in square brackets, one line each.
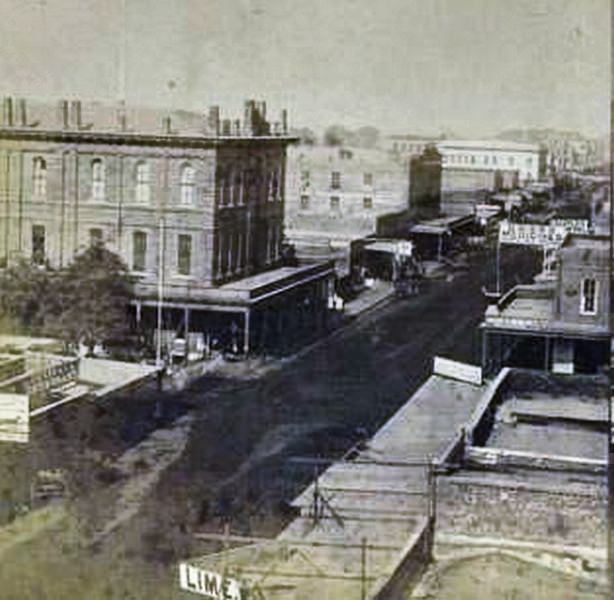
[566, 150]
[474, 169]
[190, 198]
[406, 146]
[336, 195]
[560, 325]
[425, 172]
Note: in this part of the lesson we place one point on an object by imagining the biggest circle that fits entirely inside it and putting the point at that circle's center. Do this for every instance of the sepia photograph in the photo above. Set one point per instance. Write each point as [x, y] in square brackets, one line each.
[306, 300]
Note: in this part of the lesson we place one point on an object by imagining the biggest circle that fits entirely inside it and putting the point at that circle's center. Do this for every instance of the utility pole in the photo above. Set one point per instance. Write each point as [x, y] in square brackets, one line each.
[161, 235]
[610, 508]
[363, 569]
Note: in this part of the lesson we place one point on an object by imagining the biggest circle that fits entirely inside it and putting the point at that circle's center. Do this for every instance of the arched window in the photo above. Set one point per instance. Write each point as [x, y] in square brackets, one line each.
[143, 181]
[98, 180]
[188, 180]
[39, 177]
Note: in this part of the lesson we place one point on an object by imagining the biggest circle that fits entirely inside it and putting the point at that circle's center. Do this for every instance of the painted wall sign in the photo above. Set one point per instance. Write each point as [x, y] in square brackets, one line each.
[14, 418]
[531, 234]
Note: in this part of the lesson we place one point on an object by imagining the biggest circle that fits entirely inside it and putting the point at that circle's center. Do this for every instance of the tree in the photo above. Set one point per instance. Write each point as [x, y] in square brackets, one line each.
[26, 297]
[337, 135]
[306, 136]
[94, 294]
[367, 137]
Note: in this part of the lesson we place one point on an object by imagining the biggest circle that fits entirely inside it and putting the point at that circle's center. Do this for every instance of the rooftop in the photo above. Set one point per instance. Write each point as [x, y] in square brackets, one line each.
[487, 145]
[371, 498]
[324, 156]
[21, 117]
[531, 308]
[569, 422]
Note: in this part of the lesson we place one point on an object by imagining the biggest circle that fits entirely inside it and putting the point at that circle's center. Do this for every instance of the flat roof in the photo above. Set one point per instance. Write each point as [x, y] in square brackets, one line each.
[555, 427]
[487, 145]
[429, 229]
[266, 278]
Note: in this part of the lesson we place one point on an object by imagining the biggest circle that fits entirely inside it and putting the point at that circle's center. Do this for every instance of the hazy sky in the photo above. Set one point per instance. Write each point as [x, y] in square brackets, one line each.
[469, 66]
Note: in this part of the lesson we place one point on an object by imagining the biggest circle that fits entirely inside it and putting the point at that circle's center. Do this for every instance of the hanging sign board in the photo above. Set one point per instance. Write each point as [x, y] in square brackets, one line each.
[577, 226]
[452, 369]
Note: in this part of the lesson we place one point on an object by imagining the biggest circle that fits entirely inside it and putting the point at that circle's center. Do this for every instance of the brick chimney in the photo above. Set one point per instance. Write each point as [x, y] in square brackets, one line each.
[23, 112]
[7, 112]
[249, 117]
[213, 120]
[63, 114]
[122, 121]
[75, 114]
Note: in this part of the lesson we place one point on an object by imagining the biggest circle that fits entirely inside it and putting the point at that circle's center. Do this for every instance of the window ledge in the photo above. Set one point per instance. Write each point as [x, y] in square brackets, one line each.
[183, 277]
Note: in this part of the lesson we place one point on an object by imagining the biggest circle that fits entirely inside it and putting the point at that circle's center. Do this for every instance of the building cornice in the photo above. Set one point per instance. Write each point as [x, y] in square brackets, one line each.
[124, 138]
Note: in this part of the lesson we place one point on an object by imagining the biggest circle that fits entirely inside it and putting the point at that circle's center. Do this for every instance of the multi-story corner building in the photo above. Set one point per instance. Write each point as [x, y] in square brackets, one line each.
[193, 201]
[336, 195]
[561, 324]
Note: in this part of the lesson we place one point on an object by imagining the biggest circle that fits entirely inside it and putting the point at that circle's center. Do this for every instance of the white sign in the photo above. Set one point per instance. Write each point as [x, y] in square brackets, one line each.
[404, 248]
[14, 418]
[578, 226]
[531, 234]
[206, 583]
[457, 370]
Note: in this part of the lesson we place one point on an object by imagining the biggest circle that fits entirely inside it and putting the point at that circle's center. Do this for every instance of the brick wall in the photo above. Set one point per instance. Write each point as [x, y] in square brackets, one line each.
[508, 509]
[249, 225]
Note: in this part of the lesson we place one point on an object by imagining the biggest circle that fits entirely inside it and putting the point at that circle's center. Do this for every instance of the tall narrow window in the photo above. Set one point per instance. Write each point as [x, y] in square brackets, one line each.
[334, 202]
[38, 244]
[188, 180]
[143, 181]
[237, 188]
[224, 186]
[241, 250]
[588, 301]
[139, 251]
[367, 179]
[184, 254]
[39, 177]
[274, 189]
[98, 180]
[335, 180]
[232, 256]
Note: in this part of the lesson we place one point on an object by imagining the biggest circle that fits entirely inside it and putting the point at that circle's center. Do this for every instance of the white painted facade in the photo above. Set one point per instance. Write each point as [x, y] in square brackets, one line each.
[492, 155]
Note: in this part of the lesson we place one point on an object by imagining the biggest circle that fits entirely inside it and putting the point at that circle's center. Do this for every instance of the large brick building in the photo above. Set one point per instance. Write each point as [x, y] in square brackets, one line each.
[194, 201]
